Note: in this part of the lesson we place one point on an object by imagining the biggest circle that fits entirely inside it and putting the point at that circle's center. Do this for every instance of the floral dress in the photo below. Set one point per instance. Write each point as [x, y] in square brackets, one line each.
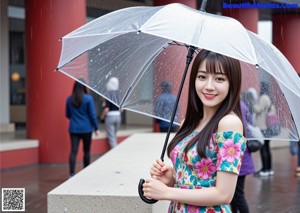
[224, 153]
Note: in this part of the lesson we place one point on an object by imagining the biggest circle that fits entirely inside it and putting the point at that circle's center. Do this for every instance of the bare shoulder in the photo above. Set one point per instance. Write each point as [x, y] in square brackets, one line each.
[230, 122]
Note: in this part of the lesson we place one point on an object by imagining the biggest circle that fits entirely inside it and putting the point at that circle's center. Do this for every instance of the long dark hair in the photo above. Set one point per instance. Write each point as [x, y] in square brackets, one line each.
[78, 92]
[194, 112]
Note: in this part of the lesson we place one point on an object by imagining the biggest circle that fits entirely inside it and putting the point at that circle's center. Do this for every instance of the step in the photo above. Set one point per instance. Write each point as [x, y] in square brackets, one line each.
[21, 152]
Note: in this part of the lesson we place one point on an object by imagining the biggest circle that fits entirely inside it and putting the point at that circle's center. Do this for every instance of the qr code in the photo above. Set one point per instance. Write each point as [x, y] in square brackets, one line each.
[13, 199]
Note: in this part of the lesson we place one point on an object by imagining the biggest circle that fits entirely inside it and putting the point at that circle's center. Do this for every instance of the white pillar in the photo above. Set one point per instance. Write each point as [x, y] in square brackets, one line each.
[4, 69]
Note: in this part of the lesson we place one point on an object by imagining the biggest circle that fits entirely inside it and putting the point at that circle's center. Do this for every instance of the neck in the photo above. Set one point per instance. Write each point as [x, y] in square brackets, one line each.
[207, 116]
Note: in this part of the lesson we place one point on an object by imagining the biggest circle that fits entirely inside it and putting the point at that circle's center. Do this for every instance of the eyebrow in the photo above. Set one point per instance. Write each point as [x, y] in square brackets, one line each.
[217, 72]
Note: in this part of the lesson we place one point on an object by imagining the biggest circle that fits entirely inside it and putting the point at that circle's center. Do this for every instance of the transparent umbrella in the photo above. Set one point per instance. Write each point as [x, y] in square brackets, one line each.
[143, 46]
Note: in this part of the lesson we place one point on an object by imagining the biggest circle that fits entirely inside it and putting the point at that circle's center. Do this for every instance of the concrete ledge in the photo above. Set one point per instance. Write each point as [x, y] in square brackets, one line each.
[17, 145]
[7, 127]
[110, 183]
[122, 132]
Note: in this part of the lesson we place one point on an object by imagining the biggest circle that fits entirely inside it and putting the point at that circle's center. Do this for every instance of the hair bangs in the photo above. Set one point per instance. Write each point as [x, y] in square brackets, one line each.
[214, 64]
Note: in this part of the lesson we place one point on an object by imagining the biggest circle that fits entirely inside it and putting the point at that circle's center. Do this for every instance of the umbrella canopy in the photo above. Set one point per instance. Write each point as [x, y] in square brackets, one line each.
[143, 46]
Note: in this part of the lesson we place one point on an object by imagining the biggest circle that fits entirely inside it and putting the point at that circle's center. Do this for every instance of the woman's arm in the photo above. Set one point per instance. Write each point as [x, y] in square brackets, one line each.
[104, 112]
[222, 193]
[92, 113]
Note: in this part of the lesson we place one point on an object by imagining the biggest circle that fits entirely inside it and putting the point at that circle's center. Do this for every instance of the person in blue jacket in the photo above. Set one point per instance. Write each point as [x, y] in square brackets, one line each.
[80, 109]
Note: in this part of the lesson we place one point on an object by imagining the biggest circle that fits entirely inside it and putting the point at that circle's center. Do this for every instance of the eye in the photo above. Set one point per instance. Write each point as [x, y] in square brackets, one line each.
[201, 77]
[220, 79]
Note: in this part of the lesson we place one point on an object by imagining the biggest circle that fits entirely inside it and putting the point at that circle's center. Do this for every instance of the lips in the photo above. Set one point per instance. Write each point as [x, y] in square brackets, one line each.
[209, 96]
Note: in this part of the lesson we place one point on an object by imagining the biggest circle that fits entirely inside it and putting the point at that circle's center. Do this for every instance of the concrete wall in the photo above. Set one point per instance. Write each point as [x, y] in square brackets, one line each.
[110, 184]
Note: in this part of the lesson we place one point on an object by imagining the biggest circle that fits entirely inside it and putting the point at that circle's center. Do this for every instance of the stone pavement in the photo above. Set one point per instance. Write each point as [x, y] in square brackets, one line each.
[280, 193]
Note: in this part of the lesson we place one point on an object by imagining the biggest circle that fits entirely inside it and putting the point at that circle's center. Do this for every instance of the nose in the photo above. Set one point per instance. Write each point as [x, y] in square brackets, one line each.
[210, 84]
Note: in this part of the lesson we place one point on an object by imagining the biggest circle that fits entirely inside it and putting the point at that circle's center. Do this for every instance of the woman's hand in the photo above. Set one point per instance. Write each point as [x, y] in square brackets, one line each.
[162, 172]
[97, 132]
[155, 189]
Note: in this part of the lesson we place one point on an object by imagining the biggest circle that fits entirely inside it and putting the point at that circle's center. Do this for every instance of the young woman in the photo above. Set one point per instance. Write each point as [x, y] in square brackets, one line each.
[207, 150]
[111, 114]
[80, 109]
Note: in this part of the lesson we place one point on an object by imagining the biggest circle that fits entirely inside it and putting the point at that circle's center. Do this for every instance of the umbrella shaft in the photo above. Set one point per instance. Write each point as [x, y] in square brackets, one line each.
[189, 58]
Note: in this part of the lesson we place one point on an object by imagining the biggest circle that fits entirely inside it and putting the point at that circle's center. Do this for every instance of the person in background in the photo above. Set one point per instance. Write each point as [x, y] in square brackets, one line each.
[111, 113]
[293, 152]
[261, 109]
[296, 151]
[207, 150]
[250, 98]
[239, 202]
[164, 107]
[80, 109]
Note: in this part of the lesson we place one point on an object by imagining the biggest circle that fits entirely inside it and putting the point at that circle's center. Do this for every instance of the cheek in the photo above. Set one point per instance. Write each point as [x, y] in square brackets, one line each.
[198, 85]
[226, 88]
[198, 88]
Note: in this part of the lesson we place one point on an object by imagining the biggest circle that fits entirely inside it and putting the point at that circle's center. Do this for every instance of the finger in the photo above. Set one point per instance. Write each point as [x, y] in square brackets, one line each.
[155, 171]
[156, 165]
[164, 168]
[147, 195]
[160, 162]
[147, 181]
[145, 189]
[155, 175]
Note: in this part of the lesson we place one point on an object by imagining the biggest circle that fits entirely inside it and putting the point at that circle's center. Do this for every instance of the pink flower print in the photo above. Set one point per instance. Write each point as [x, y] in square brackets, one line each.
[184, 187]
[174, 154]
[193, 209]
[179, 174]
[186, 177]
[178, 206]
[230, 151]
[219, 159]
[205, 168]
[239, 167]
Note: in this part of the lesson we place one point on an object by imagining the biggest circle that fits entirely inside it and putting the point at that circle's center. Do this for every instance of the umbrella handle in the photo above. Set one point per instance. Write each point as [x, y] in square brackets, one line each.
[141, 193]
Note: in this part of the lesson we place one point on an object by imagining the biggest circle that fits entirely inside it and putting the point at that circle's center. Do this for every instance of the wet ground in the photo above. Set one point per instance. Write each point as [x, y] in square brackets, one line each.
[279, 193]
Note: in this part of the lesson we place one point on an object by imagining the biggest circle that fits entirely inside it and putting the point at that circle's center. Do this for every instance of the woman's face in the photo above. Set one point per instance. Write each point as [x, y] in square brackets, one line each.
[212, 89]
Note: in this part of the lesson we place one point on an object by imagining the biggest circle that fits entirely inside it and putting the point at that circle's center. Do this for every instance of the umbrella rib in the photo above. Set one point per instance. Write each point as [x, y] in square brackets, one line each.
[126, 95]
[100, 34]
